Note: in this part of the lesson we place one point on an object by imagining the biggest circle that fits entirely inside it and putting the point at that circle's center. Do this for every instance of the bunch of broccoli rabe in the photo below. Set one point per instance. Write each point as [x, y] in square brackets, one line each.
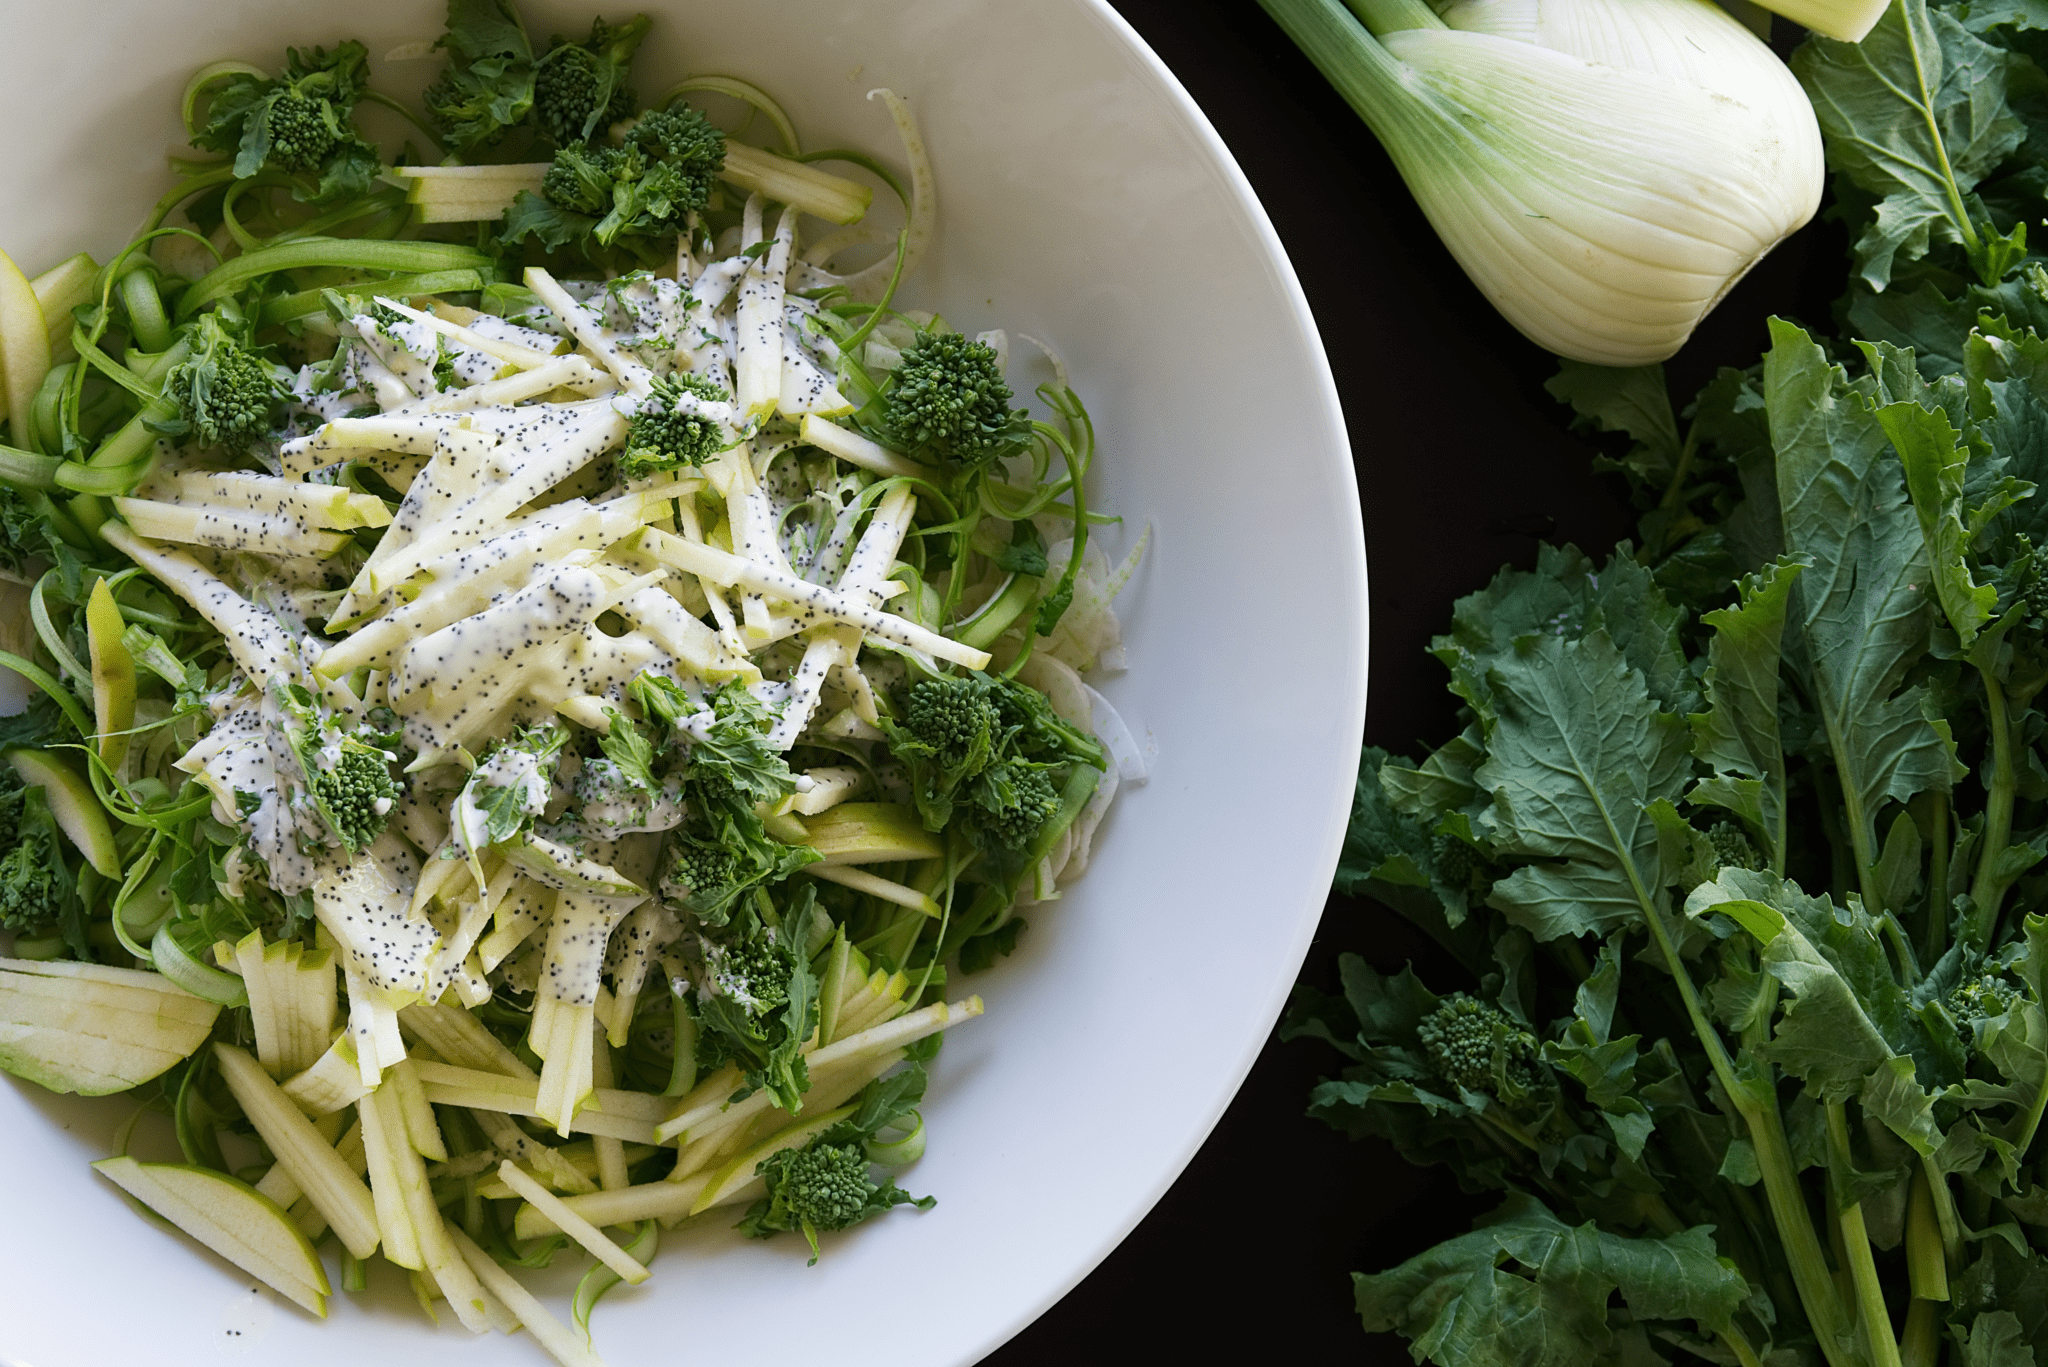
[636, 663]
[1736, 864]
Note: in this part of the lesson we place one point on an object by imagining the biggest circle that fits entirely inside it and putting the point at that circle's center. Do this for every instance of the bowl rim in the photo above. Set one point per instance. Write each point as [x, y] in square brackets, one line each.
[1330, 410]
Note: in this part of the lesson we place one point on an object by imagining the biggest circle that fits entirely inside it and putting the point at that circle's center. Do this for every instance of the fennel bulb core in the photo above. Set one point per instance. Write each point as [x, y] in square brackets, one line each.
[1603, 170]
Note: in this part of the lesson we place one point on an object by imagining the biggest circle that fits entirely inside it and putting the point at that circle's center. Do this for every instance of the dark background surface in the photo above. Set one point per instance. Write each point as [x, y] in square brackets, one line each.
[1464, 464]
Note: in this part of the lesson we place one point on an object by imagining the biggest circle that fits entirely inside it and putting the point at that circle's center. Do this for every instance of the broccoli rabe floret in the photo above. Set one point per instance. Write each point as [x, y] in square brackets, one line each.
[647, 186]
[753, 975]
[986, 741]
[298, 122]
[665, 436]
[824, 1185]
[700, 877]
[1455, 860]
[1979, 998]
[34, 886]
[948, 403]
[358, 793]
[948, 733]
[349, 786]
[579, 89]
[226, 395]
[1476, 1047]
[954, 719]
[1732, 846]
[1012, 802]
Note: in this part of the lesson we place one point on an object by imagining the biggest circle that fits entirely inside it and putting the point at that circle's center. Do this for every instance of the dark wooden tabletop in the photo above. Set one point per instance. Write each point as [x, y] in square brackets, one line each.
[1464, 464]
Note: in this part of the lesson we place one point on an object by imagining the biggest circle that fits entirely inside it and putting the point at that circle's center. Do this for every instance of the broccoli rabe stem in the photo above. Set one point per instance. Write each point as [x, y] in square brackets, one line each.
[395, 258]
[1756, 1101]
[1926, 1258]
[1920, 1342]
[1988, 889]
[147, 322]
[1934, 941]
[1876, 1320]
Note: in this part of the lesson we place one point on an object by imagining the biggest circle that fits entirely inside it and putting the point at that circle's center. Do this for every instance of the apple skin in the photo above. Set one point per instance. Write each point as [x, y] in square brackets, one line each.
[233, 1219]
[93, 1030]
[24, 346]
[79, 814]
[113, 675]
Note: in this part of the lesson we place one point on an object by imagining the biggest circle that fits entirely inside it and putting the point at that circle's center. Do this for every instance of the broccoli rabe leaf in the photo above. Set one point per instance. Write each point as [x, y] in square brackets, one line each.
[37, 887]
[1026, 552]
[1577, 752]
[732, 763]
[1860, 611]
[1914, 155]
[1737, 736]
[1524, 1289]
[618, 791]
[1630, 399]
[37, 725]
[725, 770]
[624, 746]
[758, 1002]
[1568, 596]
[487, 88]
[509, 789]
[1848, 1015]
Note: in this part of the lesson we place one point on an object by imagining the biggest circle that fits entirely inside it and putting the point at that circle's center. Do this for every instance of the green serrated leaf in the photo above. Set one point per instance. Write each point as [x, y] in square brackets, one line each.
[1463, 1308]
[1825, 1037]
[1737, 736]
[1936, 458]
[1630, 399]
[1915, 115]
[1577, 753]
[1861, 609]
[1442, 783]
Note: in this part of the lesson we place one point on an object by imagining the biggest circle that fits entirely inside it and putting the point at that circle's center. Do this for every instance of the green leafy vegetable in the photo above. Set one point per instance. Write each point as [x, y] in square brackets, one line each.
[1739, 839]
[299, 123]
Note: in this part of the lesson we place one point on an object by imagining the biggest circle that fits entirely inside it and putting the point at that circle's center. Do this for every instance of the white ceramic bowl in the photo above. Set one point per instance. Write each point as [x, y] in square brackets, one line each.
[1087, 202]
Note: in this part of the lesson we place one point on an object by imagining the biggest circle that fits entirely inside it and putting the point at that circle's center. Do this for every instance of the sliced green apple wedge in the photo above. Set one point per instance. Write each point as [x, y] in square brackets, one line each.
[314, 1164]
[249, 1230]
[92, 1030]
[334, 1080]
[79, 814]
[59, 290]
[24, 345]
[113, 675]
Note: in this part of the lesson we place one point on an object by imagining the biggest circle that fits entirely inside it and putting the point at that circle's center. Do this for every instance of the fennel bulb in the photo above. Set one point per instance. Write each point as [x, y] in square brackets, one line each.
[1603, 170]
